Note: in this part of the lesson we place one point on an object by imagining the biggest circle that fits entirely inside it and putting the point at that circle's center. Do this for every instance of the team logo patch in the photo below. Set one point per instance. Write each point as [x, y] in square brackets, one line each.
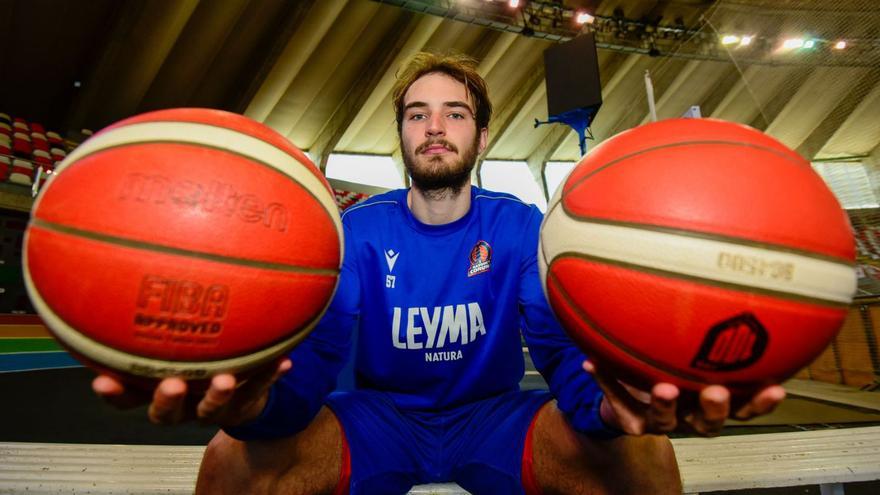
[480, 258]
[732, 344]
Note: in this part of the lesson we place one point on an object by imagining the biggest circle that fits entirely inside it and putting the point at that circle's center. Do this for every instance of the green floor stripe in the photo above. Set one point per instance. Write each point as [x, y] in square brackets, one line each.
[28, 345]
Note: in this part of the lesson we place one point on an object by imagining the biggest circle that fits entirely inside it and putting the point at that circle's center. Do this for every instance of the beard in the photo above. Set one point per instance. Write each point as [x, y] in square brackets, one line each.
[434, 175]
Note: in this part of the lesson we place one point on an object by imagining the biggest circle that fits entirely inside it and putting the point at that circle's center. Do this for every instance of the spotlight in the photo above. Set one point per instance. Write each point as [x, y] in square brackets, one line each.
[584, 18]
[809, 44]
[793, 43]
[513, 3]
[745, 41]
[840, 45]
[729, 39]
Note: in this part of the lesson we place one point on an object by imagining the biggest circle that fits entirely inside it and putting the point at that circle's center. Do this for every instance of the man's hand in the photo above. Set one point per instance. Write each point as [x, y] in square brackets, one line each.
[637, 412]
[226, 402]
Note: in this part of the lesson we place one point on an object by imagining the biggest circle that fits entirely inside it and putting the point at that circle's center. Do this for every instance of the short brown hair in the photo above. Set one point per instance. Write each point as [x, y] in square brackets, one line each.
[460, 67]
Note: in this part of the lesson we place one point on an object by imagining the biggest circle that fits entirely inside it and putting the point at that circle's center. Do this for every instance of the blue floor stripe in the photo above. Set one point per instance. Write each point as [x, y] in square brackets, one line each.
[29, 361]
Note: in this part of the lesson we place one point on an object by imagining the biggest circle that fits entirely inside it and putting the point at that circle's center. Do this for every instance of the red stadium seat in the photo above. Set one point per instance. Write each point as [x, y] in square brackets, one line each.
[42, 157]
[21, 126]
[5, 129]
[21, 145]
[5, 145]
[5, 167]
[55, 139]
[58, 154]
[39, 141]
[35, 127]
[22, 172]
[4, 117]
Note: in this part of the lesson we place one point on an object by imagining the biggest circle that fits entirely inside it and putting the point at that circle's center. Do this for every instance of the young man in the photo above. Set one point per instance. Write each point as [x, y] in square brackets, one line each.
[442, 278]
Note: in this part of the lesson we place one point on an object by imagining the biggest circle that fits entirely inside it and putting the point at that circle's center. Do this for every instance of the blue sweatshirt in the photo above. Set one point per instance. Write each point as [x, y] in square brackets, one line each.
[440, 309]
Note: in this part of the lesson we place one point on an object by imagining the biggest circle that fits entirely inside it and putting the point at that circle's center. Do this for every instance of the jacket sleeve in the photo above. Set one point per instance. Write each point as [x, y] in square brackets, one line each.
[296, 397]
[555, 356]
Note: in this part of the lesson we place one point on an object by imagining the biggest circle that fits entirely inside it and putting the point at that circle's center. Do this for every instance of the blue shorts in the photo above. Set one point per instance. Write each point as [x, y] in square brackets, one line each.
[479, 445]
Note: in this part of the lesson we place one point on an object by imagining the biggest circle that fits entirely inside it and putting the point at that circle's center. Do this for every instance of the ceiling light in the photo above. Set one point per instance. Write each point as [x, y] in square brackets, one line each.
[513, 3]
[745, 41]
[729, 39]
[793, 43]
[840, 45]
[809, 44]
[584, 18]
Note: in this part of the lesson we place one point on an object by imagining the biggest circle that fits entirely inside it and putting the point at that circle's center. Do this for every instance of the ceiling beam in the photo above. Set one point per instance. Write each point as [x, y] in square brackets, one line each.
[841, 111]
[778, 93]
[378, 64]
[259, 48]
[751, 92]
[531, 88]
[495, 53]
[811, 103]
[537, 160]
[860, 133]
[299, 48]
[727, 79]
[380, 95]
[195, 50]
[141, 40]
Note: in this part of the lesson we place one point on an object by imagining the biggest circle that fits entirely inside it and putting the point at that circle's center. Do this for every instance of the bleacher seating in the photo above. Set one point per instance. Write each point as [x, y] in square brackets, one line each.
[22, 172]
[28, 148]
[5, 167]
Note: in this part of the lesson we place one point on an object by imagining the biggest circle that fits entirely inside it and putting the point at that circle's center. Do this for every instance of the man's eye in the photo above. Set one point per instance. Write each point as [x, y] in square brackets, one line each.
[417, 116]
[457, 115]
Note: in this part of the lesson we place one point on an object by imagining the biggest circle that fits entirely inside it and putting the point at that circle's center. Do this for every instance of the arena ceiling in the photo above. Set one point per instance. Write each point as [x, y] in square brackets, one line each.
[320, 71]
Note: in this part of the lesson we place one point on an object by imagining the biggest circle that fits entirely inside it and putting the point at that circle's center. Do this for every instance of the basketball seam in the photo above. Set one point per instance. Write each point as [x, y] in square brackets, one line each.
[314, 170]
[693, 234]
[585, 318]
[569, 188]
[215, 148]
[702, 280]
[65, 333]
[617, 160]
[146, 246]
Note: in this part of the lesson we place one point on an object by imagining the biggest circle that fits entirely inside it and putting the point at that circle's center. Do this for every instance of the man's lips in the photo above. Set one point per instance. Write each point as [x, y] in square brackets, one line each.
[435, 149]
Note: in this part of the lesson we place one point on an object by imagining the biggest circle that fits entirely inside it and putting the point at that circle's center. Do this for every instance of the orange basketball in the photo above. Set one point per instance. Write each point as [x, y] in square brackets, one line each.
[183, 242]
[696, 252]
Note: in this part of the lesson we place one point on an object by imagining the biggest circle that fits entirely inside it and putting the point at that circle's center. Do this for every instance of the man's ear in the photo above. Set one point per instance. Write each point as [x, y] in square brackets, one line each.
[484, 139]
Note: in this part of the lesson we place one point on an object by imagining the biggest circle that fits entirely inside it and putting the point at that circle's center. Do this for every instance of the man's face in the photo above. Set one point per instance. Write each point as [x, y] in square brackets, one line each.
[439, 137]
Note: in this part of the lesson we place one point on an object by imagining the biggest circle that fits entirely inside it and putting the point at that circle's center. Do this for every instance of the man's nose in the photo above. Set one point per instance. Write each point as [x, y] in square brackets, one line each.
[436, 126]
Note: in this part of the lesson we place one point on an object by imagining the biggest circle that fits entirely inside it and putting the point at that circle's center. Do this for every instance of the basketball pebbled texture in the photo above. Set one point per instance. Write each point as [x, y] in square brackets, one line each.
[183, 242]
[697, 251]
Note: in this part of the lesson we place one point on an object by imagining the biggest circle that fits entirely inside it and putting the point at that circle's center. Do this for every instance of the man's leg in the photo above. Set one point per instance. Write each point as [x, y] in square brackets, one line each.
[565, 462]
[307, 463]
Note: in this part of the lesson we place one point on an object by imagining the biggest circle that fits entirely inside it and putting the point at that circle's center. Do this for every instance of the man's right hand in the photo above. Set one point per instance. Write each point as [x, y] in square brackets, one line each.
[226, 402]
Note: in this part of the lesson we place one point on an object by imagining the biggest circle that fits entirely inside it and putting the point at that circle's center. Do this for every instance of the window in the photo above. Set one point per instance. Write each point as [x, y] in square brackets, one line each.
[849, 182]
[555, 173]
[514, 178]
[371, 170]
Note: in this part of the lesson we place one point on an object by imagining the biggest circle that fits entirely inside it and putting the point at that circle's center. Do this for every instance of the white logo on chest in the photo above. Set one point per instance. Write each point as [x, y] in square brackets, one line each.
[434, 328]
[391, 259]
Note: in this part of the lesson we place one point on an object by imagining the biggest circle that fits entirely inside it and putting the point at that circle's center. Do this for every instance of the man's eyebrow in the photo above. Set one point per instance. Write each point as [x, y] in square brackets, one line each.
[451, 104]
[414, 104]
[458, 103]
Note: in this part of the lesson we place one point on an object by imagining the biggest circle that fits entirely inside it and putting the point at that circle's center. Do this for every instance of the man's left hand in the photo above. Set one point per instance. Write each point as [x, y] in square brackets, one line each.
[638, 412]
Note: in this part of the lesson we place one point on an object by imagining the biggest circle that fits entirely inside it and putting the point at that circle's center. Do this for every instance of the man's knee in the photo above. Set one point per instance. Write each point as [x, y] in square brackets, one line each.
[309, 462]
[568, 462]
[224, 466]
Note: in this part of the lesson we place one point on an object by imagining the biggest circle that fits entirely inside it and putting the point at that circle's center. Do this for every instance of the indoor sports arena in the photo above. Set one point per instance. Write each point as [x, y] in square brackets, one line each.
[619, 247]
